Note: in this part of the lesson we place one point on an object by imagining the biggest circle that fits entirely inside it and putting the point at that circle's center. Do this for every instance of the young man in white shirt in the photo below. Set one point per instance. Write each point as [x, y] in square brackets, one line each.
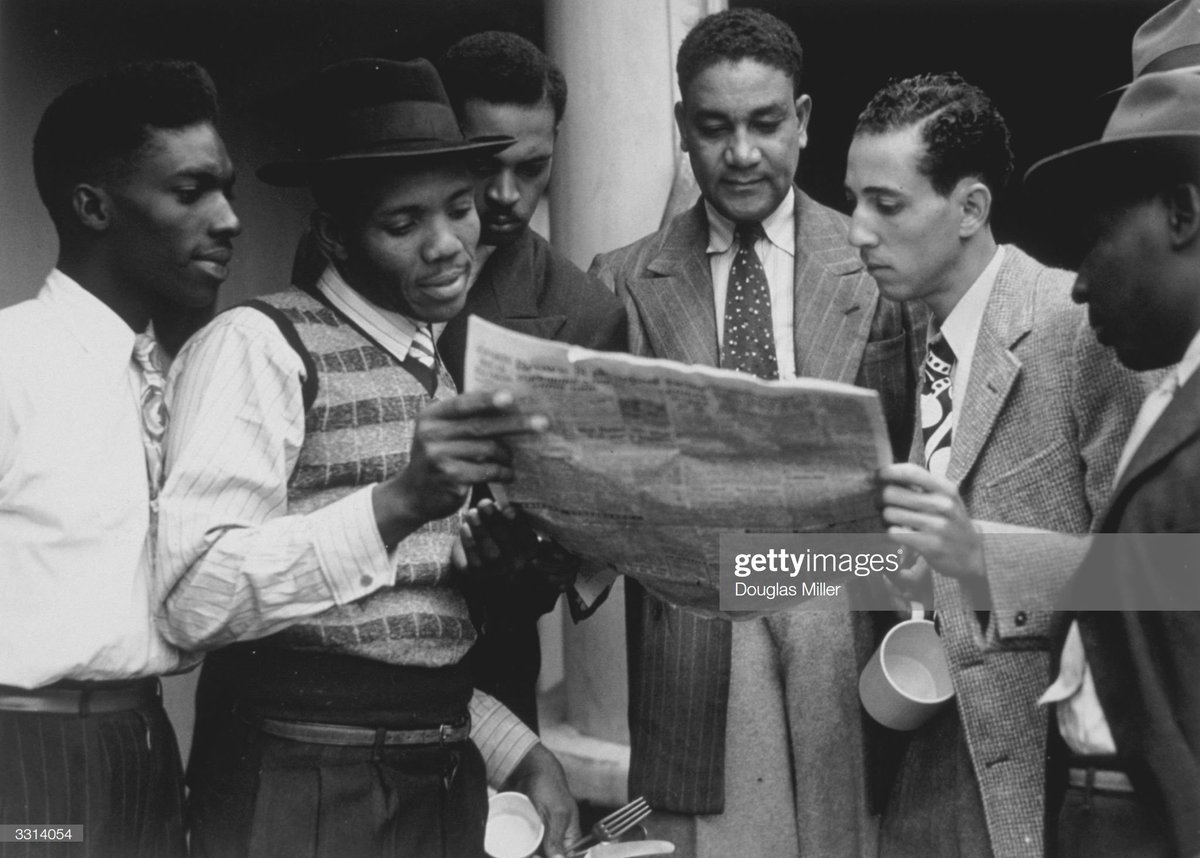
[1023, 416]
[317, 477]
[137, 182]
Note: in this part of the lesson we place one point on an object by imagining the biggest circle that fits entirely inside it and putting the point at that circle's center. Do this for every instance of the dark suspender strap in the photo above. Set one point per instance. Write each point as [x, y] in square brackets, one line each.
[308, 385]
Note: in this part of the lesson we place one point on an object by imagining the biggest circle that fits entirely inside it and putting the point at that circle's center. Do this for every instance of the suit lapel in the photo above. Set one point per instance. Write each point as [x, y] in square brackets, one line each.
[832, 320]
[1179, 423]
[675, 299]
[1007, 318]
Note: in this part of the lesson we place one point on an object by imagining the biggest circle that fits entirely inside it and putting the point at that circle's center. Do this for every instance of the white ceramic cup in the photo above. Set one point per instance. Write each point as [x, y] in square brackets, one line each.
[908, 678]
[514, 828]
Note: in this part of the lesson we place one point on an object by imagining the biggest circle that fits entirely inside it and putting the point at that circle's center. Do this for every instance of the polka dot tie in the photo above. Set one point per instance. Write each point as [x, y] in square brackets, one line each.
[936, 405]
[749, 338]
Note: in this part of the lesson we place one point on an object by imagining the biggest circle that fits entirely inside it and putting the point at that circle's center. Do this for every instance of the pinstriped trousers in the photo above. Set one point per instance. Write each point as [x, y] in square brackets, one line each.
[118, 774]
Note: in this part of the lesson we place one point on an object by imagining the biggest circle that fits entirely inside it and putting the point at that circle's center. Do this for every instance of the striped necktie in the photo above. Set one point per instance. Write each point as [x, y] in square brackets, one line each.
[749, 330]
[936, 404]
[421, 359]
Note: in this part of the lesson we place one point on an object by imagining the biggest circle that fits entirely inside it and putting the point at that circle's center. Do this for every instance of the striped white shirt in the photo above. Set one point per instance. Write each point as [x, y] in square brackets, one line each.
[234, 564]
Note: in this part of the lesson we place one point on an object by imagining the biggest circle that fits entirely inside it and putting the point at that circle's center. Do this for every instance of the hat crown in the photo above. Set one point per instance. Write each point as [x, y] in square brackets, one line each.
[1169, 39]
[368, 110]
[367, 105]
[1163, 104]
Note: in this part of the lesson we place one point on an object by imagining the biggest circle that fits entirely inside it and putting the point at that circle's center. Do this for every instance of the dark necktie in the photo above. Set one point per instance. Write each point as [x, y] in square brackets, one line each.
[749, 336]
[936, 405]
[421, 359]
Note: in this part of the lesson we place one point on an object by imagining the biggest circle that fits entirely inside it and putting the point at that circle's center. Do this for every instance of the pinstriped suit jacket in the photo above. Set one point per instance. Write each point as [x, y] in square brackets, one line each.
[844, 331]
[1042, 424]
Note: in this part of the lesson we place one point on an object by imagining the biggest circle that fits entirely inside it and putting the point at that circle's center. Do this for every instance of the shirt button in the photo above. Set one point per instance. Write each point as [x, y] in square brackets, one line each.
[1021, 618]
[366, 581]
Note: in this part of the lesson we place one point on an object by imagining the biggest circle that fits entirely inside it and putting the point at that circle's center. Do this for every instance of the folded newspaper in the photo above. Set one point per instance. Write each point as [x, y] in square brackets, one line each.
[647, 462]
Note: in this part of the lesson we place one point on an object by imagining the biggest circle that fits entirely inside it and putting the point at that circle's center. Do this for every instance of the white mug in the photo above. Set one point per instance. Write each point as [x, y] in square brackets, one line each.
[908, 677]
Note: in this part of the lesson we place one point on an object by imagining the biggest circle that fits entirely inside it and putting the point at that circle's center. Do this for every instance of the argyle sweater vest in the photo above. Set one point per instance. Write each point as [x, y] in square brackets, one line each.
[358, 430]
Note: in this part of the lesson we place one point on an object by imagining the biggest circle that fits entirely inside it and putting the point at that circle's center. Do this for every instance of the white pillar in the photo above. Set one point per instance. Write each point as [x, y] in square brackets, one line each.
[614, 164]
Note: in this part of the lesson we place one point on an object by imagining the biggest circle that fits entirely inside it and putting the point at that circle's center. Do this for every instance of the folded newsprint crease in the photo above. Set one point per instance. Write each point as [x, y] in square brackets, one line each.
[647, 461]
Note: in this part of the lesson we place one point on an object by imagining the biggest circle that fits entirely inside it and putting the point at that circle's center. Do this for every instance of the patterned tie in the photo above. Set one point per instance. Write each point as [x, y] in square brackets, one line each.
[150, 359]
[936, 405]
[421, 359]
[749, 337]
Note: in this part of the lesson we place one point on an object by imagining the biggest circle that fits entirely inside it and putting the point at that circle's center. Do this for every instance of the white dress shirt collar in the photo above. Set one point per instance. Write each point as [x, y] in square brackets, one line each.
[393, 331]
[89, 320]
[961, 329]
[779, 225]
[1189, 363]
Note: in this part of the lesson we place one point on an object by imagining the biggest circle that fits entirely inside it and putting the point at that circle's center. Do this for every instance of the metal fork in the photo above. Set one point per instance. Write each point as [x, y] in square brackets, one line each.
[610, 827]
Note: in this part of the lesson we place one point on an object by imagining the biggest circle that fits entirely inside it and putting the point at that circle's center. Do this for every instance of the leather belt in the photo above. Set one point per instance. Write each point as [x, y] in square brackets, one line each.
[341, 734]
[82, 701]
[1104, 780]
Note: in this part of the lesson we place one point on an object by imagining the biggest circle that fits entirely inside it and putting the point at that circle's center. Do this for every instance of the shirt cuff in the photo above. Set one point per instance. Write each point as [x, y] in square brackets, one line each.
[350, 550]
[502, 738]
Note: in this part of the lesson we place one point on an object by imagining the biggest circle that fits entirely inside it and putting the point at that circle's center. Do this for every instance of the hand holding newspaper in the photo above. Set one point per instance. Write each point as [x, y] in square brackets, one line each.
[648, 461]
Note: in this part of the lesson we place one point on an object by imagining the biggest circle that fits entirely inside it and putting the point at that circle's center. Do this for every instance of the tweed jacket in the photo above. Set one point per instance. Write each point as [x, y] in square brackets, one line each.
[1145, 662]
[530, 287]
[1041, 426]
[679, 663]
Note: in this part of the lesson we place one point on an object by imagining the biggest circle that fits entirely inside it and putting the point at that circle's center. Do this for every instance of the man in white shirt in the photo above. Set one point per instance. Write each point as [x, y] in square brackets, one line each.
[1023, 416]
[1127, 702]
[317, 475]
[136, 180]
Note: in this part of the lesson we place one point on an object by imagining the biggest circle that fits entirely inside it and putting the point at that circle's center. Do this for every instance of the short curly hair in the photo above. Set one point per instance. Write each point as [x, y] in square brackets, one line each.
[963, 132]
[502, 68]
[738, 34]
[97, 127]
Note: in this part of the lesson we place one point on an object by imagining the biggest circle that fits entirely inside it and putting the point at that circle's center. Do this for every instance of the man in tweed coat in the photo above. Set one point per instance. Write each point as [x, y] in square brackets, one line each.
[747, 738]
[1036, 417]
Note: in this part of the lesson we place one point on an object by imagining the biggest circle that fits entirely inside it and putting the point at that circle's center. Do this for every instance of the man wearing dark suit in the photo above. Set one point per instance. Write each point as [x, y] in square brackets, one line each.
[1127, 699]
[747, 737]
[501, 84]
[1026, 434]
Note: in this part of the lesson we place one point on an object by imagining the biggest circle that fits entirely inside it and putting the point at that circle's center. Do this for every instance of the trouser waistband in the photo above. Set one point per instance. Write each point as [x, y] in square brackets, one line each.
[346, 735]
[82, 698]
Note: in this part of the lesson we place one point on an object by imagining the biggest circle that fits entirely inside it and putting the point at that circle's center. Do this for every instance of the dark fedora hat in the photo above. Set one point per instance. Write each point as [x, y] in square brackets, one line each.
[1158, 115]
[365, 111]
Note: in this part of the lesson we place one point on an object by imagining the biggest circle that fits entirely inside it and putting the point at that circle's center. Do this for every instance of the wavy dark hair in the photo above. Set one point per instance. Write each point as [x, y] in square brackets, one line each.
[963, 132]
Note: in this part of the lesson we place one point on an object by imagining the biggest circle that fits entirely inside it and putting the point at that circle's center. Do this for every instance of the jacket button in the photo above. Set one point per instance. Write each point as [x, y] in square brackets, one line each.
[1021, 618]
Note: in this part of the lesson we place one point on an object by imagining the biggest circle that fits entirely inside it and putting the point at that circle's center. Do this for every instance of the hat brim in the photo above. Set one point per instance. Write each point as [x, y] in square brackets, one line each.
[1056, 181]
[300, 172]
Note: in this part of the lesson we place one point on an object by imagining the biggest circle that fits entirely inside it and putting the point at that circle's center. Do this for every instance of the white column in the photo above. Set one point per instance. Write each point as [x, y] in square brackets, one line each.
[614, 165]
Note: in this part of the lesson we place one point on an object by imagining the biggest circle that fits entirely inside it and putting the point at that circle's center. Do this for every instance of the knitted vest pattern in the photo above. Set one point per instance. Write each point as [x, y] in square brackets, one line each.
[359, 431]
